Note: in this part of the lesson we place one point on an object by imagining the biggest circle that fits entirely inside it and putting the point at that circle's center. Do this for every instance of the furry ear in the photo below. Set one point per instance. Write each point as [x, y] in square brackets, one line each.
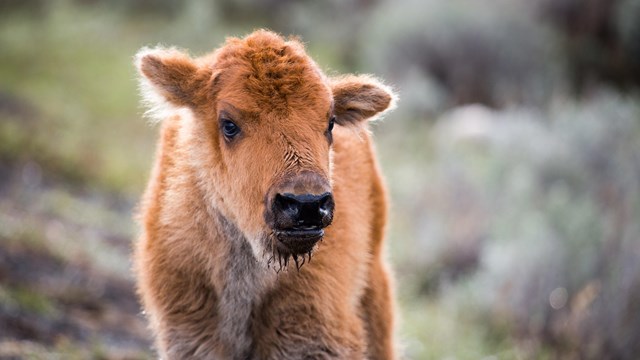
[169, 80]
[360, 97]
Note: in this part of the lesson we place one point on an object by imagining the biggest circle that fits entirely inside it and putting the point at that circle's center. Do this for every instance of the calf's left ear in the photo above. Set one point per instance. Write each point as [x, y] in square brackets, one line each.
[360, 97]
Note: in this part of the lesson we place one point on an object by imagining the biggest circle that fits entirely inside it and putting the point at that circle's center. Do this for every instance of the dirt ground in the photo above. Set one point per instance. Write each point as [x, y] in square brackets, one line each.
[59, 297]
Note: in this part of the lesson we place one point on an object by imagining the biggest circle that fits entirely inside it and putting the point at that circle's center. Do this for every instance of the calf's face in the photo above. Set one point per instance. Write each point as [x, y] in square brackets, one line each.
[259, 133]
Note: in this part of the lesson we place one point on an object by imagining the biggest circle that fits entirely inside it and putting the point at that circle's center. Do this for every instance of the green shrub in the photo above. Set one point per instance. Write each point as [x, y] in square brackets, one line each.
[540, 210]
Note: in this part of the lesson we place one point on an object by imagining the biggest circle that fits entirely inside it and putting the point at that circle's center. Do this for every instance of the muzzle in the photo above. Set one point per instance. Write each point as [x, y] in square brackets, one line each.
[298, 210]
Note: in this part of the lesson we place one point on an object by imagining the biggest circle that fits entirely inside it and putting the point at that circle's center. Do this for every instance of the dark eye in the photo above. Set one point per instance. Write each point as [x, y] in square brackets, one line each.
[332, 122]
[229, 129]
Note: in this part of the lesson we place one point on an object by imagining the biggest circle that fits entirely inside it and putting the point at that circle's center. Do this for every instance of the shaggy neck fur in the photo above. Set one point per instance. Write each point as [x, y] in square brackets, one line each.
[245, 282]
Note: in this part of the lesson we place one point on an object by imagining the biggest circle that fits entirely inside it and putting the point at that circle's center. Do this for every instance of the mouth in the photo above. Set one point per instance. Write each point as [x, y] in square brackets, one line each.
[298, 241]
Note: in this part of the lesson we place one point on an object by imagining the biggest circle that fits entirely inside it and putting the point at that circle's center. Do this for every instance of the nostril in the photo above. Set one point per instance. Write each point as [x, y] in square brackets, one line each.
[326, 205]
[289, 211]
[326, 202]
[285, 201]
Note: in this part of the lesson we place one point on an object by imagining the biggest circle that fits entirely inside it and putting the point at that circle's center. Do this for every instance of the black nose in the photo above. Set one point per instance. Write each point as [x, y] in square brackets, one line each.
[305, 211]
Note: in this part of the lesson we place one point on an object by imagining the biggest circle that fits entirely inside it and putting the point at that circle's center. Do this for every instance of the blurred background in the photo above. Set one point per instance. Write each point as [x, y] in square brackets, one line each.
[513, 162]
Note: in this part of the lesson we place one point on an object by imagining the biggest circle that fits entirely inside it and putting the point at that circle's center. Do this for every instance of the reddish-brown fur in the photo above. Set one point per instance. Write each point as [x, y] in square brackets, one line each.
[203, 259]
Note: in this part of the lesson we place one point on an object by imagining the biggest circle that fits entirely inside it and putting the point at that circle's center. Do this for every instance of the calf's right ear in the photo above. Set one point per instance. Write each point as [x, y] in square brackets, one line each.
[360, 97]
[169, 79]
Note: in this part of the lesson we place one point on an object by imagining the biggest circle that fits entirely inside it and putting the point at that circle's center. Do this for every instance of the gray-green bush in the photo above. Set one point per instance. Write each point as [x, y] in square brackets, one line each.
[538, 210]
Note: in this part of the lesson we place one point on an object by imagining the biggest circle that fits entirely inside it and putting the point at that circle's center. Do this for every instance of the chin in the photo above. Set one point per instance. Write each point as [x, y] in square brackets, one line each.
[285, 247]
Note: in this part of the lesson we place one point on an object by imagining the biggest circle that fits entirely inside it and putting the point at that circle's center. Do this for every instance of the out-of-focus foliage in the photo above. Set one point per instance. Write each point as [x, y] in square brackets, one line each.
[600, 38]
[513, 162]
[532, 216]
[466, 52]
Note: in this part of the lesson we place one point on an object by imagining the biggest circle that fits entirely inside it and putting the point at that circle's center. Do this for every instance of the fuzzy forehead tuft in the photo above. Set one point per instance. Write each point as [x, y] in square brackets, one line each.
[271, 68]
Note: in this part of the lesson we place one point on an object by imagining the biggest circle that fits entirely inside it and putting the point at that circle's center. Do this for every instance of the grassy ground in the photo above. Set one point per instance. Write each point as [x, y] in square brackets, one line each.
[66, 290]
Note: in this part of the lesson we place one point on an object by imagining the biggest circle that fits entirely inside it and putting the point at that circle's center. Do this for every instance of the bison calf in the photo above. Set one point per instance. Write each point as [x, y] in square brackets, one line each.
[263, 220]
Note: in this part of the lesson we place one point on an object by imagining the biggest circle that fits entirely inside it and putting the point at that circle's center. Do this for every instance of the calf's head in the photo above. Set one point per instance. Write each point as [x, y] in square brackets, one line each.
[256, 125]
